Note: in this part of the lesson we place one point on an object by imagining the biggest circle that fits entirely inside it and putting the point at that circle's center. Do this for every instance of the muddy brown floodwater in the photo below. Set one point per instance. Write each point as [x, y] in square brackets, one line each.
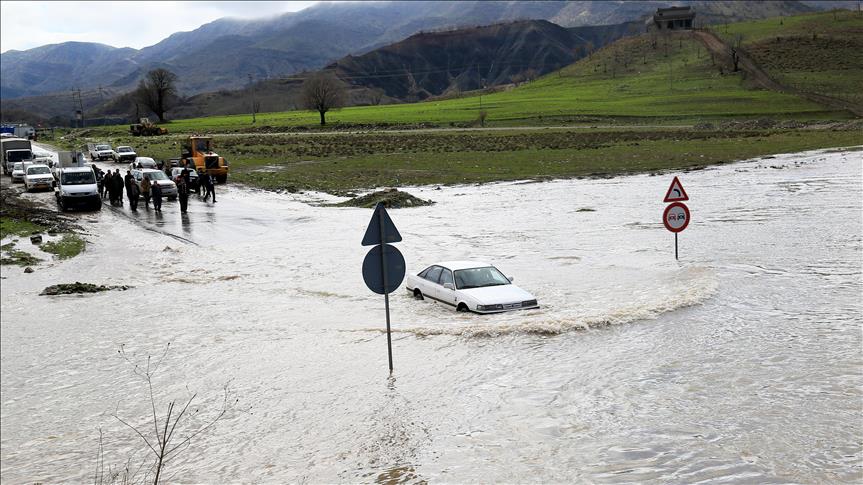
[742, 362]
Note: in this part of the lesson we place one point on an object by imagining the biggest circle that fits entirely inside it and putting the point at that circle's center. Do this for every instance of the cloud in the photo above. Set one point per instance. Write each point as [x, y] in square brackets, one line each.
[24, 25]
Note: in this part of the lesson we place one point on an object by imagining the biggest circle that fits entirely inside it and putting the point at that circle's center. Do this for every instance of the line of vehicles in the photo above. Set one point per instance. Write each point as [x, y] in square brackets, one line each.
[77, 185]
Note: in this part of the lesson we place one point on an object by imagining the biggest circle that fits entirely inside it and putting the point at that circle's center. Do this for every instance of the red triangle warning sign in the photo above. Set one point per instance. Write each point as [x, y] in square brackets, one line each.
[675, 192]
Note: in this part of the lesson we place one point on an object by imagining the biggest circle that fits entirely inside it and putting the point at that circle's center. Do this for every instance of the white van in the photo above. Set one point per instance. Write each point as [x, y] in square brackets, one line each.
[77, 187]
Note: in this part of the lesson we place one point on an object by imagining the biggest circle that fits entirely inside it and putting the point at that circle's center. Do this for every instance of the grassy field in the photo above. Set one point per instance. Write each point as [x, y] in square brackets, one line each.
[820, 53]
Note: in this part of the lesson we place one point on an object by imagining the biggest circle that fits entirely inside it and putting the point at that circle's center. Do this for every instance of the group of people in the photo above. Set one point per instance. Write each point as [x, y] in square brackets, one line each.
[113, 185]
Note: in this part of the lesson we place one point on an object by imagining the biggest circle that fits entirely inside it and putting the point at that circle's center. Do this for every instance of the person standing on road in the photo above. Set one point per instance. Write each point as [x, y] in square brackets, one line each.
[118, 186]
[128, 181]
[156, 191]
[207, 180]
[145, 191]
[183, 191]
[133, 192]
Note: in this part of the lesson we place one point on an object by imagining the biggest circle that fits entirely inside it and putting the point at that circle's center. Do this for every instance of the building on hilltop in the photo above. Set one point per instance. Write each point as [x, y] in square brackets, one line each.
[672, 18]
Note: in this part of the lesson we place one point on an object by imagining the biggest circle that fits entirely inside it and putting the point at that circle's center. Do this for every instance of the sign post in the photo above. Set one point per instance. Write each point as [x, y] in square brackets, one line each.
[384, 265]
[676, 215]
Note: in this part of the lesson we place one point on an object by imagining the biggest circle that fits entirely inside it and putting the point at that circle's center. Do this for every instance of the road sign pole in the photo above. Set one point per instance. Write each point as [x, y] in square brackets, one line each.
[386, 294]
[675, 245]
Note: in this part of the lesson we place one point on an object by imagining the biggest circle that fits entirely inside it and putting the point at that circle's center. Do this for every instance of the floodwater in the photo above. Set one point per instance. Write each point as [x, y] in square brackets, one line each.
[742, 362]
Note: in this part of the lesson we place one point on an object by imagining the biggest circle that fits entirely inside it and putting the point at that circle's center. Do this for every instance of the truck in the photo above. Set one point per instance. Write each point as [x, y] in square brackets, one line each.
[15, 150]
[20, 131]
[198, 153]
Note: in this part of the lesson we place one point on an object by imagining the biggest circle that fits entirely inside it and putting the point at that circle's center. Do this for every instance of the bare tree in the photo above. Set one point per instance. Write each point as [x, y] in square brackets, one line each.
[376, 95]
[161, 440]
[322, 92]
[735, 51]
[158, 91]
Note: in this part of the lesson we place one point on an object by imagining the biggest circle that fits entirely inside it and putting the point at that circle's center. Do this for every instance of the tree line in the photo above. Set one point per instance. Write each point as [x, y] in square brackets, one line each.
[321, 92]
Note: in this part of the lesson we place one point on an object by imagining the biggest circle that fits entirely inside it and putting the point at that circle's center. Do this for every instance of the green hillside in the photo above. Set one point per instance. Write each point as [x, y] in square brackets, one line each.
[820, 53]
[652, 77]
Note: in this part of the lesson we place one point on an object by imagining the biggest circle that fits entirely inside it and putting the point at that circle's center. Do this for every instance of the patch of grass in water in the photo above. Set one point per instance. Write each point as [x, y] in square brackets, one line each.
[67, 247]
[17, 227]
[17, 257]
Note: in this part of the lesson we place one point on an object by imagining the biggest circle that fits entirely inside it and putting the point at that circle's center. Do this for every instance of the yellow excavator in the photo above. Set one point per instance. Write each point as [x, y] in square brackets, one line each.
[198, 153]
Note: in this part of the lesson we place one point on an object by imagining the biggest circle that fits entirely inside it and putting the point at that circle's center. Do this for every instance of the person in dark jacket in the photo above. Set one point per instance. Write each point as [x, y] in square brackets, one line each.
[118, 183]
[128, 180]
[113, 180]
[156, 193]
[134, 192]
[183, 191]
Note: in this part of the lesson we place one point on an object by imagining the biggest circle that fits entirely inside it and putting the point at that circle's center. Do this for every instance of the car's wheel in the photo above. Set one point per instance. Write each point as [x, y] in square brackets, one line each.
[172, 198]
[462, 308]
[418, 294]
[221, 179]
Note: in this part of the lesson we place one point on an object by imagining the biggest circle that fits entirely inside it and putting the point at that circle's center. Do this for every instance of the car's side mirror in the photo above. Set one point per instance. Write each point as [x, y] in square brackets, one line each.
[510, 278]
[448, 286]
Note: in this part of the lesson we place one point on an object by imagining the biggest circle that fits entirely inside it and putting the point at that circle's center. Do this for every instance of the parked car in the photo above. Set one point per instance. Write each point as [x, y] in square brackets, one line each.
[470, 286]
[194, 182]
[19, 170]
[125, 153]
[38, 177]
[144, 162]
[77, 187]
[169, 188]
[102, 151]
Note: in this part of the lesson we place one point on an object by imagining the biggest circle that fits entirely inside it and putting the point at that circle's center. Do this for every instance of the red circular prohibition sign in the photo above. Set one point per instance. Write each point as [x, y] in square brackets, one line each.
[674, 211]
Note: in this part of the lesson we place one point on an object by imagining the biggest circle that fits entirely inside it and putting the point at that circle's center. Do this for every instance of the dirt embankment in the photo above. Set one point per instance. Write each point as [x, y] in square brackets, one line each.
[760, 77]
[14, 206]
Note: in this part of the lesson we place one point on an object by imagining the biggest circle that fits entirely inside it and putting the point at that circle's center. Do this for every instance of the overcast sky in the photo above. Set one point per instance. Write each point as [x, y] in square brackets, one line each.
[24, 25]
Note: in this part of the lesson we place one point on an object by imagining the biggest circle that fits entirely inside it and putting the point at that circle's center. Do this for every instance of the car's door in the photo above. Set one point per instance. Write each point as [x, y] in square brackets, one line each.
[428, 283]
[445, 289]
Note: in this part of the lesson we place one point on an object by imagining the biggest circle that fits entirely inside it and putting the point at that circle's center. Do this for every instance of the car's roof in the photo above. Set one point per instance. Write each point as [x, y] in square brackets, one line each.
[124, 146]
[455, 265]
[148, 170]
[37, 165]
[144, 159]
[77, 169]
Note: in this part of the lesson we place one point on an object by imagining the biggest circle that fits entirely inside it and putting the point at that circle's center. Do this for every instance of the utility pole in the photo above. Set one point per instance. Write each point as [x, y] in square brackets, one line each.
[252, 90]
[81, 105]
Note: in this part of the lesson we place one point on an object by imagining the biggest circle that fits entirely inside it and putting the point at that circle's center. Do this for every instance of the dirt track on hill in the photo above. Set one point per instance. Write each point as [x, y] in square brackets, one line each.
[716, 45]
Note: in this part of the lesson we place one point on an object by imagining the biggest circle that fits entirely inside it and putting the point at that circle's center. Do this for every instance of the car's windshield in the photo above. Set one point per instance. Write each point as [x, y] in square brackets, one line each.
[124, 149]
[103, 147]
[78, 178]
[479, 277]
[18, 155]
[156, 175]
[18, 166]
[37, 170]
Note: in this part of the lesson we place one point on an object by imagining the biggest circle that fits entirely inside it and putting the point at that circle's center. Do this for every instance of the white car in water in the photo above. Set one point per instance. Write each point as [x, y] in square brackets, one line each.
[469, 286]
[38, 177]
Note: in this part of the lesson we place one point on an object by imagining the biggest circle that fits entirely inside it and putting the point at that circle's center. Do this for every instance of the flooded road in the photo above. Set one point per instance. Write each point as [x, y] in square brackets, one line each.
[741, 362]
